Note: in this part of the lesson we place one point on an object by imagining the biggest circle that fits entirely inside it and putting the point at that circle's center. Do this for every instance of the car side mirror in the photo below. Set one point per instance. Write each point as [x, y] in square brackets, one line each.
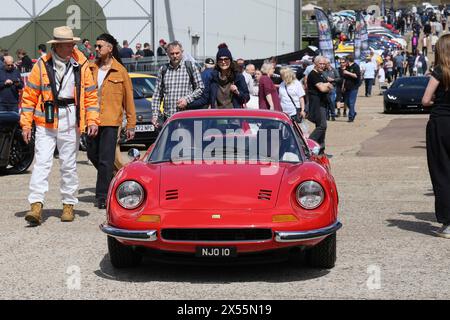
[134, 154]
[315, 151]
[314, 147]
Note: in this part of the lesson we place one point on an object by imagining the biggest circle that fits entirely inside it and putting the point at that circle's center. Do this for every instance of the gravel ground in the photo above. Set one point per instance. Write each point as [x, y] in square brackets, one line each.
[386, 249]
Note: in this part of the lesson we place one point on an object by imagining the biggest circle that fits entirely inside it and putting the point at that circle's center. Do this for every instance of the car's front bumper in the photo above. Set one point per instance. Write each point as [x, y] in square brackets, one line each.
[390, 106]
[293, 236]
[280, 236]
[131, 235]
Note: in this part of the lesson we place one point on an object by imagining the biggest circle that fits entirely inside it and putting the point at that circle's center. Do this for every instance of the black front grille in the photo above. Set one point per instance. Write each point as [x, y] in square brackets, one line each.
[216, 234]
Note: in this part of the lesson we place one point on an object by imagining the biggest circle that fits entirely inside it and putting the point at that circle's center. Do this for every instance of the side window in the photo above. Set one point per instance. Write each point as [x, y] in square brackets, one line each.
[300, 139]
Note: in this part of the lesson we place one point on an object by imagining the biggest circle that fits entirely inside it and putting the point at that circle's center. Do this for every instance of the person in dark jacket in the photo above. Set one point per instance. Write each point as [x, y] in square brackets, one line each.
[228, 88]
[25, 64]
[207, 74]
[148, 52]
[10, 84]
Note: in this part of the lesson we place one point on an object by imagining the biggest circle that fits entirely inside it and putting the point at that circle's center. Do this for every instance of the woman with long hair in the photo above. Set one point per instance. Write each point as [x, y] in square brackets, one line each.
[437, 96]
[228, 87]
[115, 96]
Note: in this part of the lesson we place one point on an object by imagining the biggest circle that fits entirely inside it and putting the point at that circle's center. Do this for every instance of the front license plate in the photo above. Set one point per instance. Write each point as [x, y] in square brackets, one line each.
[216, 252]
[145, 128]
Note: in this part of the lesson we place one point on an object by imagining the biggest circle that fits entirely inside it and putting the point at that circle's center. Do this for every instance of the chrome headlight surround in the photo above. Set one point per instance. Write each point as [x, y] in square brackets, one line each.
[130, 195]
[310, 195]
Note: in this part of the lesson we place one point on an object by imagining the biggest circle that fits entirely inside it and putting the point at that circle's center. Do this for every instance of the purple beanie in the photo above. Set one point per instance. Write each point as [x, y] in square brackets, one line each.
[224, 52]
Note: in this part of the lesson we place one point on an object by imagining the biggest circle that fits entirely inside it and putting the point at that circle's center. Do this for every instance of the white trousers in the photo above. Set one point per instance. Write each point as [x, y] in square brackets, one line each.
[67, 139]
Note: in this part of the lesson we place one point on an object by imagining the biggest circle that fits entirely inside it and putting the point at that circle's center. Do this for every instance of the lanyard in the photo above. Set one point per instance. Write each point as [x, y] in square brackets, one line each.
[68, 68]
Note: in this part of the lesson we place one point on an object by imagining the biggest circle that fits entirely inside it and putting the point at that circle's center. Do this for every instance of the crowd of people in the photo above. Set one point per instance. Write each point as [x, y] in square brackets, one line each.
[92, 91]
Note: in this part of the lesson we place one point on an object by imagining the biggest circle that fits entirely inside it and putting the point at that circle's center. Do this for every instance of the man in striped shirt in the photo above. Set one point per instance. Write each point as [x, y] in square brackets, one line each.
[179, 84]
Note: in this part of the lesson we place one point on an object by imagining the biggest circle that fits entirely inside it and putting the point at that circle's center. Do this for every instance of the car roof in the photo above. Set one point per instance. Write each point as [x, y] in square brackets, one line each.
[140, 75]
[219, 113]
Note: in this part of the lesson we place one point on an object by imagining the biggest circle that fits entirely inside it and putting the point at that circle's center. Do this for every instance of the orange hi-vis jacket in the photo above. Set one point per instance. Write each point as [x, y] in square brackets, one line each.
[38, 90]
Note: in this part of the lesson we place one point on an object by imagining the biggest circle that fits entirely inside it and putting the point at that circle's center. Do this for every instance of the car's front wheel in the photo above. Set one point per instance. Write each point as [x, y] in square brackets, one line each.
[122, 256]
[323, 255]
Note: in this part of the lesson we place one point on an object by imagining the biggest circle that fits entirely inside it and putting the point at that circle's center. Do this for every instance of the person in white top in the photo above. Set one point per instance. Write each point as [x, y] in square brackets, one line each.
[434, 40]
[421, 64]
[381, 80]
[291, 94]
[368, 69]
[248, 74]
[425, 46]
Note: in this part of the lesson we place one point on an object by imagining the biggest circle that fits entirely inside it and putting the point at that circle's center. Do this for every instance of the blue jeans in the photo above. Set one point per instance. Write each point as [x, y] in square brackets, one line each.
[320, 131]
[350, 101]
[332, 105]
[369, 84]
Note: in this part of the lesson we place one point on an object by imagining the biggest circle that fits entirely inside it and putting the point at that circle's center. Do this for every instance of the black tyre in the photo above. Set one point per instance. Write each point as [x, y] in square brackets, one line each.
[21, 155]
[122, 256]
[323, 255]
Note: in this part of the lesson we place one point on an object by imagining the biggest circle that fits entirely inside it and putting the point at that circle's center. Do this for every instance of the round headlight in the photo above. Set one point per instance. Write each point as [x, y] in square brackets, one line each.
[130, 195]
[310, 195]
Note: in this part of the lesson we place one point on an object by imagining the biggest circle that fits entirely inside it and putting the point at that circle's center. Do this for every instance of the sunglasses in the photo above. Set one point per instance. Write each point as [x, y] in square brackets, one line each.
[98, 46]
[223, 60]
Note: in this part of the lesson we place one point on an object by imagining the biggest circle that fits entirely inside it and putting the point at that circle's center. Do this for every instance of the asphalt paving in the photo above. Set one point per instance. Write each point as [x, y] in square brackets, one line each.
[386, 249]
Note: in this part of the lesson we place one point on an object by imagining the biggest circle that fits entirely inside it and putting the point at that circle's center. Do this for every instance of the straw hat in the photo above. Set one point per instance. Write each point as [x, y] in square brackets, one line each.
[63, 35]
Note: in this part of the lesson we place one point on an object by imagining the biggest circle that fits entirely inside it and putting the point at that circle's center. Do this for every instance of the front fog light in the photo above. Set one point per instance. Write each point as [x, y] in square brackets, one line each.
[130, 195]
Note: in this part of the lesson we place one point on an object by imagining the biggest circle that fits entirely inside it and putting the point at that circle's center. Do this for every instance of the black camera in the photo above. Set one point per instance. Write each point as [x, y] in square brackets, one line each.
[49, 112]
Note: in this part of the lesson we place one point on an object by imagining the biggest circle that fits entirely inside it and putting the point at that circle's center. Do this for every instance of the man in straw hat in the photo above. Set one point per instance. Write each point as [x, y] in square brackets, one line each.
[61, 99]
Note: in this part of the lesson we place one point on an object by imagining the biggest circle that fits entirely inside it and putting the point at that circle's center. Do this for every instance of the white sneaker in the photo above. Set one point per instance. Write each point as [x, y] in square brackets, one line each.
[444, 232]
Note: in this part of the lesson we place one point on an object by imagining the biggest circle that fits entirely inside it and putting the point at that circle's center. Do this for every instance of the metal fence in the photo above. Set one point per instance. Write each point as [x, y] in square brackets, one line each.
[148, 65]
[309, 29]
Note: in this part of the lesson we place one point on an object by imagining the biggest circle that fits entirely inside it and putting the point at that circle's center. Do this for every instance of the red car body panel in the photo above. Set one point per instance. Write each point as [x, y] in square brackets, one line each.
[224, 196]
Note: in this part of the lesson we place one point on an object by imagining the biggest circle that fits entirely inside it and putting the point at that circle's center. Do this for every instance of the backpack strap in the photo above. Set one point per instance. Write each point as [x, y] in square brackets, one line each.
[190, 70]
[51, 75]
[163, 74]
[77, 76]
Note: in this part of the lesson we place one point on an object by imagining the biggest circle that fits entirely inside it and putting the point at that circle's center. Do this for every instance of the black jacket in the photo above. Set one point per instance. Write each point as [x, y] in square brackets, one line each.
[9, 94]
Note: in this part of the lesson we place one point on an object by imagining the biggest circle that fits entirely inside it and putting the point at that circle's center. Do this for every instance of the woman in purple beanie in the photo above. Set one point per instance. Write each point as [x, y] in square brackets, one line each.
[228, 88]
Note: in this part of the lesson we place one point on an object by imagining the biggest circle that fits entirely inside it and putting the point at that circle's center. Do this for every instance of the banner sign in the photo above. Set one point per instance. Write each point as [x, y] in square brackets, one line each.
[325, 37]
[361, 45]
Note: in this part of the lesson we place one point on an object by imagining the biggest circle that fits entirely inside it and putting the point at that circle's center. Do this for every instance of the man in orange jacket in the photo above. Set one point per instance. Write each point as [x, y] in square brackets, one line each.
[61, 99]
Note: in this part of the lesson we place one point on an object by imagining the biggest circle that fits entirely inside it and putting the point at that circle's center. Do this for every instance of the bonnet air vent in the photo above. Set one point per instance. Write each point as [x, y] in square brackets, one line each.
[265, 195]
[171, 195]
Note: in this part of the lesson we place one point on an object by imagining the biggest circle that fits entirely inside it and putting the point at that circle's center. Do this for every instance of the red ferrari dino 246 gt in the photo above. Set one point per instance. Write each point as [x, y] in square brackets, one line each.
[224, 185]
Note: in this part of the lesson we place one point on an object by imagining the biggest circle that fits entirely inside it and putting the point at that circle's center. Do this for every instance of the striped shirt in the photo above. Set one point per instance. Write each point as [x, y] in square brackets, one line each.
[177, 85]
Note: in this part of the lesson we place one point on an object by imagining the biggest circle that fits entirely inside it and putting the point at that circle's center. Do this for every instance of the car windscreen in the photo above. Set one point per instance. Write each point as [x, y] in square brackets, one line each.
[220, 140]
[411, 83]
[145, 86]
